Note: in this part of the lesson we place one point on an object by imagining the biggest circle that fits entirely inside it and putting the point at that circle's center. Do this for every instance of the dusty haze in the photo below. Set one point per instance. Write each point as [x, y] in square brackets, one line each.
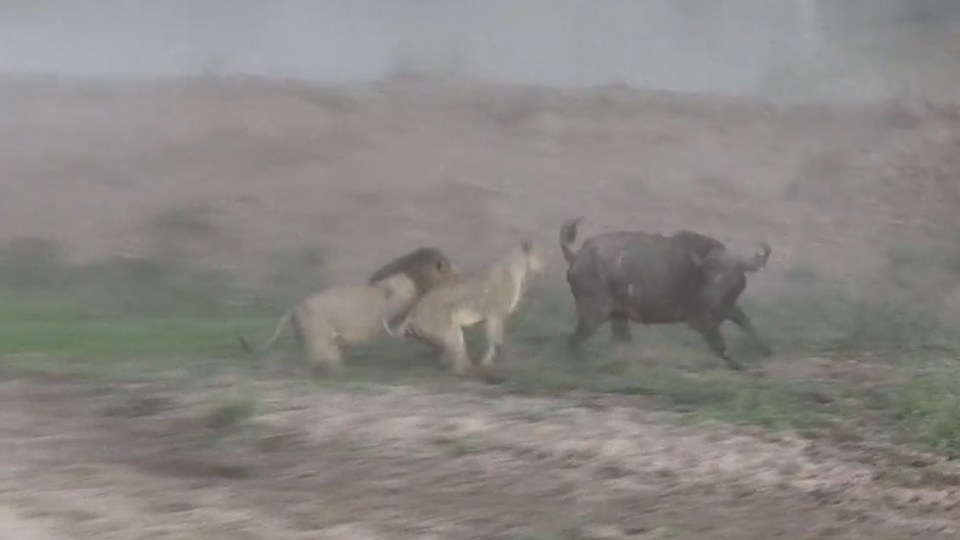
[280, 146]
[798, 49]
[348, 127]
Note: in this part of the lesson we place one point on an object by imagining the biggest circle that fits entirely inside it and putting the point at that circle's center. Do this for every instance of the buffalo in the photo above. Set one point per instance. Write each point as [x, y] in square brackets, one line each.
[649, 278]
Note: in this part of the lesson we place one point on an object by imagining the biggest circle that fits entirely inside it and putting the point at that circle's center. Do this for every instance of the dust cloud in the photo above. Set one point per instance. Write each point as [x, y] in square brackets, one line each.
[293, 127]
[174, 174]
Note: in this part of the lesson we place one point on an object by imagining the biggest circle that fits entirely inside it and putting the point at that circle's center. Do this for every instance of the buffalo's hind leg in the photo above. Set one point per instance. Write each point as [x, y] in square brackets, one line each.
[589, 319]
[739, 317]
[711, 334]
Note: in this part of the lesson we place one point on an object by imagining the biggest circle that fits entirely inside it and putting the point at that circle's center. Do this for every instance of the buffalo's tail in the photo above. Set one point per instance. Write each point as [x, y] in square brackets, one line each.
[568, 235]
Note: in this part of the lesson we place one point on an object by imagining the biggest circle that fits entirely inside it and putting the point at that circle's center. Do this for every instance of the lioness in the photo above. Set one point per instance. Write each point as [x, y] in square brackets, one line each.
[490, 295]
[326, 321]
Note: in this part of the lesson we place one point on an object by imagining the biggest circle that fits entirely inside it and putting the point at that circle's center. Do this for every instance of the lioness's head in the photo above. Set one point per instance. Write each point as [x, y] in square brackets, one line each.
[426, 267]
[536, 263]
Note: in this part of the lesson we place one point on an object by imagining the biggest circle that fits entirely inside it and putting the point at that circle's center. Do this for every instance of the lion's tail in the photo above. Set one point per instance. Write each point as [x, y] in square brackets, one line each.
[267, 344]
[568, 235]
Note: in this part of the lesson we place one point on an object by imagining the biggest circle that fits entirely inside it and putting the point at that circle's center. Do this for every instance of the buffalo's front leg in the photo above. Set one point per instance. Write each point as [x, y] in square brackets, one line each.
[739, 317]
[620, 330]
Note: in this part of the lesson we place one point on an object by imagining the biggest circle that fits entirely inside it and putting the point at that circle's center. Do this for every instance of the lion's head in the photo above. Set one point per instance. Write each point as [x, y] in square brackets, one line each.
[426, 268]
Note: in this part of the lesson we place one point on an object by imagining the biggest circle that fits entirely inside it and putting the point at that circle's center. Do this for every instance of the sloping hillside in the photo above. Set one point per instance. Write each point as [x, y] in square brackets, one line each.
[242, 170]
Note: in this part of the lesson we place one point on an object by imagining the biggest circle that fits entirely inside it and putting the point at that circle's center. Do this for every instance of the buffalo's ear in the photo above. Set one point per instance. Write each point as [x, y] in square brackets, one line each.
[441, 266]
[527, 246]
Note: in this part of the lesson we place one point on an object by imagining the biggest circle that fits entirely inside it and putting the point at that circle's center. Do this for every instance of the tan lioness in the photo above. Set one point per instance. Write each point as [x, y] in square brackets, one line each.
[489, 295]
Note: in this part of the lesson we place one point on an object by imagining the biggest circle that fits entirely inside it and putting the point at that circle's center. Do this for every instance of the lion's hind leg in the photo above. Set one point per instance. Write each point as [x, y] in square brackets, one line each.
[320, 348]
[325, 357]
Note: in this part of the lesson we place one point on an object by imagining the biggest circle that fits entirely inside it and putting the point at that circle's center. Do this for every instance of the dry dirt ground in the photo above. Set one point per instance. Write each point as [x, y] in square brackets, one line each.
[82, 461]
[360, 174]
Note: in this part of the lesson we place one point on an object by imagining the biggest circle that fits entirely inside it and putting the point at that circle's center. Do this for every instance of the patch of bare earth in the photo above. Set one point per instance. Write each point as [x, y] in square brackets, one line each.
[84, 462]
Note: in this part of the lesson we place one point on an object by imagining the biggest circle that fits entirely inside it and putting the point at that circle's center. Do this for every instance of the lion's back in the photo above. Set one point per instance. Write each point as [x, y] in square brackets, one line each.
[351, 313]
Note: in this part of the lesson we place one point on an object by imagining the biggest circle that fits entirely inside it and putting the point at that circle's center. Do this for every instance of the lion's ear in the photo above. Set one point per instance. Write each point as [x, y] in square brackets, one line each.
[527, 246]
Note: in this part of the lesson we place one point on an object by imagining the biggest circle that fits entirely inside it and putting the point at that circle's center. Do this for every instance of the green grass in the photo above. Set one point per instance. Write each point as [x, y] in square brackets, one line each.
[841, 368]
[845, 366]
[927, 409]
[62, 335]
[120, 347]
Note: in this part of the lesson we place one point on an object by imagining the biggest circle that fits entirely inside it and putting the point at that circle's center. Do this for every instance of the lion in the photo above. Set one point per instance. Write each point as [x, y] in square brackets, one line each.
[490, 295]
[351, 315]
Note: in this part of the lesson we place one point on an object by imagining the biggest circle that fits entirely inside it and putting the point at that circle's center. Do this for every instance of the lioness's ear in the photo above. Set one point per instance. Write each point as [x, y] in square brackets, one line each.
[527, 246]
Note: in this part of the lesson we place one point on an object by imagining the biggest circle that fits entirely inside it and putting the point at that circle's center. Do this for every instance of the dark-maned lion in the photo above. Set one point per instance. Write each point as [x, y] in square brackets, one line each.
[350, 315]
[417, 265]
[488, 295]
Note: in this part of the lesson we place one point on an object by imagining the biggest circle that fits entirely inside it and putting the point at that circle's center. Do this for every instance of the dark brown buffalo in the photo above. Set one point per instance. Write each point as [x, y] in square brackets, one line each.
[655, 279]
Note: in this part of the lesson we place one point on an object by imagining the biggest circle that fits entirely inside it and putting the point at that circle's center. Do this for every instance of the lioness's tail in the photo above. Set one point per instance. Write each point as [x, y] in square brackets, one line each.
[267, 344]
[568, 235]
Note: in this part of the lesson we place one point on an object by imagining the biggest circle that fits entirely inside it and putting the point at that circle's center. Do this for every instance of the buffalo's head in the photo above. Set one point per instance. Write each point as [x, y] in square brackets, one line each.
[723, 273]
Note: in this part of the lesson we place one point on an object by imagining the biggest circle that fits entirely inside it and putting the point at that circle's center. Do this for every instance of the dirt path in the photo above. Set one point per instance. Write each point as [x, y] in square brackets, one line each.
[84, 462]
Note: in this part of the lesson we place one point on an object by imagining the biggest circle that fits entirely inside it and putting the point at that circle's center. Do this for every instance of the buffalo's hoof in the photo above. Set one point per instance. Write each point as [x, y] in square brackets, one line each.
[731, 363]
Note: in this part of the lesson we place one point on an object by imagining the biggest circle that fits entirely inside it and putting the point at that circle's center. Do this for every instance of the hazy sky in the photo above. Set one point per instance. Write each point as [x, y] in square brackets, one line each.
[688, 45]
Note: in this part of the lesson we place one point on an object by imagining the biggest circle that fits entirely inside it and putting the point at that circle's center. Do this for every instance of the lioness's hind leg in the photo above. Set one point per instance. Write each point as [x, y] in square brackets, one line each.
[494, 327]
[455, 350]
